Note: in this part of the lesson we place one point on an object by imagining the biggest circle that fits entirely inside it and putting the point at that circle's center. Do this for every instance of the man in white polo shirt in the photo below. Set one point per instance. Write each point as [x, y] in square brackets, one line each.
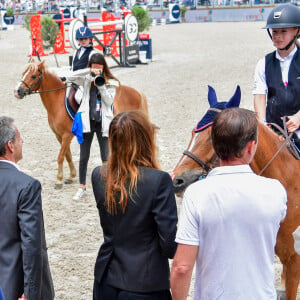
[229, 221]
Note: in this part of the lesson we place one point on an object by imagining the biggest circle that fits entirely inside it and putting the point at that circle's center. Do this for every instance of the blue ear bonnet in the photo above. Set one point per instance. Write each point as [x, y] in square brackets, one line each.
[210, 115]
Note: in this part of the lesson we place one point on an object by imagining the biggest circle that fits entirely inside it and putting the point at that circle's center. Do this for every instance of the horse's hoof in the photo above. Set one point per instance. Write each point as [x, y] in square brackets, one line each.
[280, 295]
[58, 186]
[68, 181]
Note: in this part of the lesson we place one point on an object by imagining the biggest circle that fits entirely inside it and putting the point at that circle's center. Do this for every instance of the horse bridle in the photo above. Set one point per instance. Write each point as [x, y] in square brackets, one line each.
[36, 85]
[206, 166]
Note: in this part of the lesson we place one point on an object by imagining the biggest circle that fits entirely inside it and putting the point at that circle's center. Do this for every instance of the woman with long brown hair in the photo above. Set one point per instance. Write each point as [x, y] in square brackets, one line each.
[137, 212]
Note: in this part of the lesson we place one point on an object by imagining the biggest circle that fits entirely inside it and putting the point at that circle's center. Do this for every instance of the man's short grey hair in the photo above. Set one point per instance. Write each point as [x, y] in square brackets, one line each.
[7, 132]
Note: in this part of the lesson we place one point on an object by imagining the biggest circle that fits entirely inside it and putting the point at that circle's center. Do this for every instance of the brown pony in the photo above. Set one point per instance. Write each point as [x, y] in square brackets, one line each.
[38, 79]
[272, 159]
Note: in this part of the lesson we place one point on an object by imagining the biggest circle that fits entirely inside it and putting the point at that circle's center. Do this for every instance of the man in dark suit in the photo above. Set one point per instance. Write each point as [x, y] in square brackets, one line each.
[24, 267]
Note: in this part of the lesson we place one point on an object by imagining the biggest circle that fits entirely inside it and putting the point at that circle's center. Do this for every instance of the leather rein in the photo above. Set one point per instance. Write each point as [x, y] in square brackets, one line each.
[287, 142]
[212, 162]
[37, 84]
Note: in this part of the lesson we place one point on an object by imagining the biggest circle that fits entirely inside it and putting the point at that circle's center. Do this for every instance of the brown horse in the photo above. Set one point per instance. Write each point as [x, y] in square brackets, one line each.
[37, 78]
[272, 159]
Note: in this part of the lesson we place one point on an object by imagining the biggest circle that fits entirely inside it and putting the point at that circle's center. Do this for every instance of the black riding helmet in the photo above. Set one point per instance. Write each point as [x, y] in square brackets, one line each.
[284, 16]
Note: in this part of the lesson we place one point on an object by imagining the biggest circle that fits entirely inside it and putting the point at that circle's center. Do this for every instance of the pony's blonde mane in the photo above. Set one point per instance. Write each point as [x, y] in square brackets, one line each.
[30, 67]
[33, 67]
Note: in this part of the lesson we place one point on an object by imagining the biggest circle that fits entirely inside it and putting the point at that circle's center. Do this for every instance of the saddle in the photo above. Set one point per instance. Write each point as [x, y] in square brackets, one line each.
[70, 102]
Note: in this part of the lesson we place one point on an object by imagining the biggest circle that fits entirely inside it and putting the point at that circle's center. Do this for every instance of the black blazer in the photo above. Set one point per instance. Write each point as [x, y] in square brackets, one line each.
[23, 254]
[137, 244]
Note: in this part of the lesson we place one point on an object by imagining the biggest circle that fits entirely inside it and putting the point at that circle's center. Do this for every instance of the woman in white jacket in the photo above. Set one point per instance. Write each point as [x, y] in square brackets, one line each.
[95, 110]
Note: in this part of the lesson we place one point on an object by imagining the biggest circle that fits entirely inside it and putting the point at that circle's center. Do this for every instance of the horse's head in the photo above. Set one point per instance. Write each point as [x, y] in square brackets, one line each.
[31, 79]
[200, 157]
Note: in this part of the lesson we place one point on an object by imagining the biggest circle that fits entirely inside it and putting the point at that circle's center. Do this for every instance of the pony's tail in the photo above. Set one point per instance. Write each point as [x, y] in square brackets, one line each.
[144, 103]
[144, 106]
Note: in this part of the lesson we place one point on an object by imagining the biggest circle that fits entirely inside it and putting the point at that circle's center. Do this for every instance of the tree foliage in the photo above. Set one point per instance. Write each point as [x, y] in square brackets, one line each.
[9, 12]
[49, 32]
[183, 11]
[27, 22]
[143, 19]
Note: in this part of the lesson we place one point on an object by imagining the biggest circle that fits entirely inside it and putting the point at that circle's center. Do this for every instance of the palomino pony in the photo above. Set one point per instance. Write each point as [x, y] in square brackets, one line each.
[272, 159]
[38, 79]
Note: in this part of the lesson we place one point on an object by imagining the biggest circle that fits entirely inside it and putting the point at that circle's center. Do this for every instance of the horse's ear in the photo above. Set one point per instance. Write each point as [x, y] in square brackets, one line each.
[235, 99]
[211, 96]
[41, 63]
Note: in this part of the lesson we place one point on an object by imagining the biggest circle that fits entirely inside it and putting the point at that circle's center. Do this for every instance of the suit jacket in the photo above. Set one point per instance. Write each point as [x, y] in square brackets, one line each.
[137, 244]
[24, 264]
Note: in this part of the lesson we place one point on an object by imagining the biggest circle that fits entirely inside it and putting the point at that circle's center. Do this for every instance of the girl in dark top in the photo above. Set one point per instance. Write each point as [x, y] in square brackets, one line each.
[276, 81]
[81, 57]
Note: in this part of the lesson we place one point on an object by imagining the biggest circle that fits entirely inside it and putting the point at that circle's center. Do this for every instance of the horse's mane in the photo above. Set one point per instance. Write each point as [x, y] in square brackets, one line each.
[277, 136]
[33, 67]
[30, 67]
[275, 140]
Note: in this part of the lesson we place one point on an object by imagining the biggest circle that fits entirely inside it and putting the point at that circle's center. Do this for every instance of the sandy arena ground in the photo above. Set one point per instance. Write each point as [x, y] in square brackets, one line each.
[186, 58]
